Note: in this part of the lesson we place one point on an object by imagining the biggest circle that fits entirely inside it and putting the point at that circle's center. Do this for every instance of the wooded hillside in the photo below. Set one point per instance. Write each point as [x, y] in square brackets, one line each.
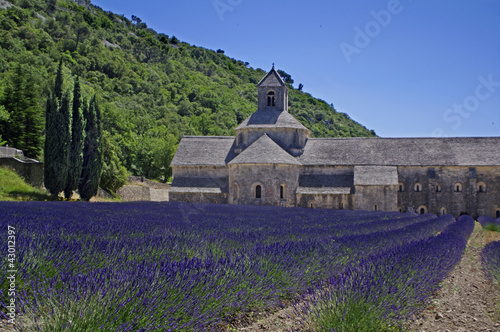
[152, 88]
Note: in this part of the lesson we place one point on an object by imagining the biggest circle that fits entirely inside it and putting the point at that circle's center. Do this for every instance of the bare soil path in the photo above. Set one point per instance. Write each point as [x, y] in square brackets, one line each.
[467, 301]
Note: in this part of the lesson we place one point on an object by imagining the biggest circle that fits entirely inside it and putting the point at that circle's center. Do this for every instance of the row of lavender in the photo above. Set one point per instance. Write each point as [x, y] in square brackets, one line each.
[385, 289]
[175, 266]
[490, 255]
[489, 223]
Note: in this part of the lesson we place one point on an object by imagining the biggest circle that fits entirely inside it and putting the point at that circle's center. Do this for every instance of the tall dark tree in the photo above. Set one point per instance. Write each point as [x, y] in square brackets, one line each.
[23, 126]
[92, 152]
[77, 141]
[57, 137]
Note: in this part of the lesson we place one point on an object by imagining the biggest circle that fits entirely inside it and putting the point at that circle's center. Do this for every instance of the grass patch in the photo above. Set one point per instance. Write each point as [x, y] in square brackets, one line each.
[351, 315]
[14, 188]
[492, 227]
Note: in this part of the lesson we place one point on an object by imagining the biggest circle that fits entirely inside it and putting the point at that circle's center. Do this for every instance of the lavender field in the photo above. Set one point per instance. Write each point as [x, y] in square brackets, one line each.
[186, 267]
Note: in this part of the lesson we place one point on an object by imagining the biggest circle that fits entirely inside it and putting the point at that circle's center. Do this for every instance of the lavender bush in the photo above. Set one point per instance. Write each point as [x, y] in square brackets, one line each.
[490, 259]
[186, 267]
[384, 289]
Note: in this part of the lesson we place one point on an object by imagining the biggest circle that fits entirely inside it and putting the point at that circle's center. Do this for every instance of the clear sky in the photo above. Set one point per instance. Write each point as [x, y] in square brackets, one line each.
[404, 68]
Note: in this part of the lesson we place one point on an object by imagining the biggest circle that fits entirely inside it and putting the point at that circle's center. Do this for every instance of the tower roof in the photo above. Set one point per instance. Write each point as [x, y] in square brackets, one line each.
[272, 79]
[271, 119]
[264, 151]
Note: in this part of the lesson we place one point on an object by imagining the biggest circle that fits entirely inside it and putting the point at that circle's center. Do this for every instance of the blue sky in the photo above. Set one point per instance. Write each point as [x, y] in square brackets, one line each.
[404, 68]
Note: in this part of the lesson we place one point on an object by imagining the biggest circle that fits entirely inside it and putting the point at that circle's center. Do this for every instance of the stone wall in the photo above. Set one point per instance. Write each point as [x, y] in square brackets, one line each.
[142, 189]
[326, 201]
[243, 179]
[29, 169]
[450, 189]
[376, 198]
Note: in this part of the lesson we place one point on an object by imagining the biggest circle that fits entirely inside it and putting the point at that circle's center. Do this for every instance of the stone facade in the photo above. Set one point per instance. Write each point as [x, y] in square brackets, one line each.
[274, 161]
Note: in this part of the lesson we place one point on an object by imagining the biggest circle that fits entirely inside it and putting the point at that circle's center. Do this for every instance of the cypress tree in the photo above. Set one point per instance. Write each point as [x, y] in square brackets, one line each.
[92, 152]
[57, 137]
[77, 141]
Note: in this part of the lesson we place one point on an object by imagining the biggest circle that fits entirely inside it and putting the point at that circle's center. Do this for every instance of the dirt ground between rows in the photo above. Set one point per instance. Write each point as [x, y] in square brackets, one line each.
[466, 302]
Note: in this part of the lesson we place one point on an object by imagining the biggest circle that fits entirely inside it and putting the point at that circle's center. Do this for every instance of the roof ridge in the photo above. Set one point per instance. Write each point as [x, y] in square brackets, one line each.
[269, 73]
[401, 138]
[273, 154]
[192, 136]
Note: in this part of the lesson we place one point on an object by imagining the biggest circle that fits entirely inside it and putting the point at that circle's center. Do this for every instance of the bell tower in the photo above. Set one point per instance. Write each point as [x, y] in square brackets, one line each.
[273, 93]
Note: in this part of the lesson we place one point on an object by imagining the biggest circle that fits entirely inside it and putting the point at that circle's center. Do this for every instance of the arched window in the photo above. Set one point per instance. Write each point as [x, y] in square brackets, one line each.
[443, 211]
[341, 205]
[282, 191]
[418, 187]
[311, 205]
[481, 187]
[375, 207]
[258, 191]
[236, 191]
[422, 209]
[438, 188]
[458, 187]
[270, 98]
[401, 187]
[400, 209]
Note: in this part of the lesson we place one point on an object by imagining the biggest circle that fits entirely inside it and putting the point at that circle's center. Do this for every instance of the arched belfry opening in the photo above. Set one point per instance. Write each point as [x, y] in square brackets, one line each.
[271, 98]
[273, 92]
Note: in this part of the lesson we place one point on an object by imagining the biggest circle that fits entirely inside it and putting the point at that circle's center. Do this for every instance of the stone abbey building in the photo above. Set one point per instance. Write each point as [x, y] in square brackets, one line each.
[274, 161]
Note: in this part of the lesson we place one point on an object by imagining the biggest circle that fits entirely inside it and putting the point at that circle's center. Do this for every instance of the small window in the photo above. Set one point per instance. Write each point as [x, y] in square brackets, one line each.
[438, 188]
[282, 192]
[418, 187]
[341, 205]
[443, 211]
[422, 209]
[498, 214]
[481, 187]
[375, 207]
[270, 98]
[400, 209]
[401, 187]
[311, 205]
[258, 191]
[458, 187]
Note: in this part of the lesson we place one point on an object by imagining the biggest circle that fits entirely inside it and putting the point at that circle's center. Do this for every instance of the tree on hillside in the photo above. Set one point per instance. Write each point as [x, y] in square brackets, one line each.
[4, 116]
[57, 137]
[92, 152]
[23, 126]
[77, 140]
